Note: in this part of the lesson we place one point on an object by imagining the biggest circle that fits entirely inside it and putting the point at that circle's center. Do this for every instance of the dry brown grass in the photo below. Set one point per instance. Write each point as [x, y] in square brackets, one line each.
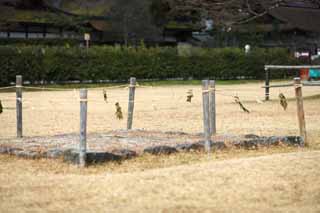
[281, 179]
[160, 108]
[271, 183]
[163, 108]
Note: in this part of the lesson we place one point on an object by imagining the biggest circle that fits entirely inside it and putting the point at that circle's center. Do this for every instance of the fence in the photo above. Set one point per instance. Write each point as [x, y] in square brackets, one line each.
[209, 92]
[268, 68]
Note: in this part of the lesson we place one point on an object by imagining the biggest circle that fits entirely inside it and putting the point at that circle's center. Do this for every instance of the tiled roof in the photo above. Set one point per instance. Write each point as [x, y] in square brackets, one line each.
[302, 14]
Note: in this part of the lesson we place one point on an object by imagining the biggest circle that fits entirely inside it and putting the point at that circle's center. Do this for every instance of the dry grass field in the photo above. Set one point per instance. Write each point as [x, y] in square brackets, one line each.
[270, 183]
[281, 179]
[161, 108]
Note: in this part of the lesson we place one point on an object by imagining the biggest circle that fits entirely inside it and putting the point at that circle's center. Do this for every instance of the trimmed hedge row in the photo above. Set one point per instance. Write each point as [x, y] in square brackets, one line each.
[116, 63]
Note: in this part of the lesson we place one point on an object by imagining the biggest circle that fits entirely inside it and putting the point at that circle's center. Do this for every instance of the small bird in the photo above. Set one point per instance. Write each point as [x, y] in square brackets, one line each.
[283, 101]
[237, 100]
[105, 97]
[189, 95]
[259, 101]
[154, 106]
[118, 113]
[1, 107]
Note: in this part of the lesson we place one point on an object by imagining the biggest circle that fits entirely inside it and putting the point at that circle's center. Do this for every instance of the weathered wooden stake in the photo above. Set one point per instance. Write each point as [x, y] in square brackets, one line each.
[83, 127]
[206, 114]
[300, 110]
[132, 89]
[267, 84]
[19, 105]
[212, 109]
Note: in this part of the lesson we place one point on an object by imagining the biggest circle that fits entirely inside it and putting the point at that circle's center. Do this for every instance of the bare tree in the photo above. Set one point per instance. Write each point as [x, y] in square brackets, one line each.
[223, 12]
[133, 19]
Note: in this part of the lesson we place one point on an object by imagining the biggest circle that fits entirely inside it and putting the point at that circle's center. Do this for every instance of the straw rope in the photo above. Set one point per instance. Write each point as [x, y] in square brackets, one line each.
[5, 88]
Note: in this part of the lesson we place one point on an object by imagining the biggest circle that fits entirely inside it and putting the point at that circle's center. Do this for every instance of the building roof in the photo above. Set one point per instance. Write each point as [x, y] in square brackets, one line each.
[301, 18]
[101, 25]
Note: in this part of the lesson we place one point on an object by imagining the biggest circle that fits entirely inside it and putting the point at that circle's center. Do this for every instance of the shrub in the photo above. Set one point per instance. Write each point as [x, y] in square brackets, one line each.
[64, 63]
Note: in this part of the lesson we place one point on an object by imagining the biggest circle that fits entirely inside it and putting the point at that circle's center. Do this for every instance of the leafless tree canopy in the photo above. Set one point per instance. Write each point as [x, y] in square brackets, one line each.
[228, 12]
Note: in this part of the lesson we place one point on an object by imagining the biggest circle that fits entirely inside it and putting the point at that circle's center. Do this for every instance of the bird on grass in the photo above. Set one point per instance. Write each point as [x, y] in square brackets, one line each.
[154, 106]
[259, 101]
[118, 113]
[1, 107]
[237, 100]
[105, 97]
[189, 95]
[283, 101]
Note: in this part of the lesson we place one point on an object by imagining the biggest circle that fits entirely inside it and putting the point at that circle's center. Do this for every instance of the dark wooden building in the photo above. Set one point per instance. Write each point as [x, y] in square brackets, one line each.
[44, 23]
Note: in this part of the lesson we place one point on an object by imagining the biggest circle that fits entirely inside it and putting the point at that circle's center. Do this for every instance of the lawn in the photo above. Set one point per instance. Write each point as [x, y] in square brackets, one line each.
[280, 179]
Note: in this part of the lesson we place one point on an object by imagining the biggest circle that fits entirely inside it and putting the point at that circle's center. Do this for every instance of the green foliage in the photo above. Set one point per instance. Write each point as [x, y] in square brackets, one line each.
[39, 42]
[64, 63]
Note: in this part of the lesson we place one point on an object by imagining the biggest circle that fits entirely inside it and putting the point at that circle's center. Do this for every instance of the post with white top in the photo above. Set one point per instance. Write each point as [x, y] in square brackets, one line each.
[19, 105]
[132, 89]
[83, 127]
[206, 114]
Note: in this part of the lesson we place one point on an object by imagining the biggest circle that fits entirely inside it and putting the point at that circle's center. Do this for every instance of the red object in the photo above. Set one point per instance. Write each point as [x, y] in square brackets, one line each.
[304, 74]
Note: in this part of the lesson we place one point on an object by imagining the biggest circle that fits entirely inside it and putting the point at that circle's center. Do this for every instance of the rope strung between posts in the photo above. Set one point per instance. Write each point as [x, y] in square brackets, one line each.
[47, 88]
[60, 89]
[296, 86]
[180, 97]
[155, 105]
[123, 86]
[209, 90]
[5, 88]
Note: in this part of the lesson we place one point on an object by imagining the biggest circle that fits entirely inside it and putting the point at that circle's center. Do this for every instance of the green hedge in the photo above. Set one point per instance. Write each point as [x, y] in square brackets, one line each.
[37, 63]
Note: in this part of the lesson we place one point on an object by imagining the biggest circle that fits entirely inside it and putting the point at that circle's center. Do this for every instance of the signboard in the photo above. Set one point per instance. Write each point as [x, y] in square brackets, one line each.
[87, 36]
[301, 54]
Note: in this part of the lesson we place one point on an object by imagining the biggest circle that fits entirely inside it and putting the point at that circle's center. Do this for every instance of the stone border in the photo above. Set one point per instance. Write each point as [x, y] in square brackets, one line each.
[72, 155]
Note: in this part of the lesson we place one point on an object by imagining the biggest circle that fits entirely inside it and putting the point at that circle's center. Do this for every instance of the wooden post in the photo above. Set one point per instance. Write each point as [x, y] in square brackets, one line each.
[206, 114]
[83, 127]
[212, 110]
[44, 32]
[300, 110]
[19, 105]
[132, 89]
[87, 39]
[26, 31]
[87, 45]
[267, 84]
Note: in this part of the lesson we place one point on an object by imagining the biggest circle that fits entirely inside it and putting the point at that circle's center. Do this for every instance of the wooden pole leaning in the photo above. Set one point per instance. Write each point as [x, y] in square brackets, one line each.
[19, 105]
[83, 127]
[206, 114]
[212, 109]
[300, 110]
[132, 89]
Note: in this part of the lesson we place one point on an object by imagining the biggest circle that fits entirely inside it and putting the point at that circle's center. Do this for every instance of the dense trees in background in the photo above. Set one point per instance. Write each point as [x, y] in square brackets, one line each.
[133, 19]
[31, 4]
[133, 16]
[222, 12]
[25, 4]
